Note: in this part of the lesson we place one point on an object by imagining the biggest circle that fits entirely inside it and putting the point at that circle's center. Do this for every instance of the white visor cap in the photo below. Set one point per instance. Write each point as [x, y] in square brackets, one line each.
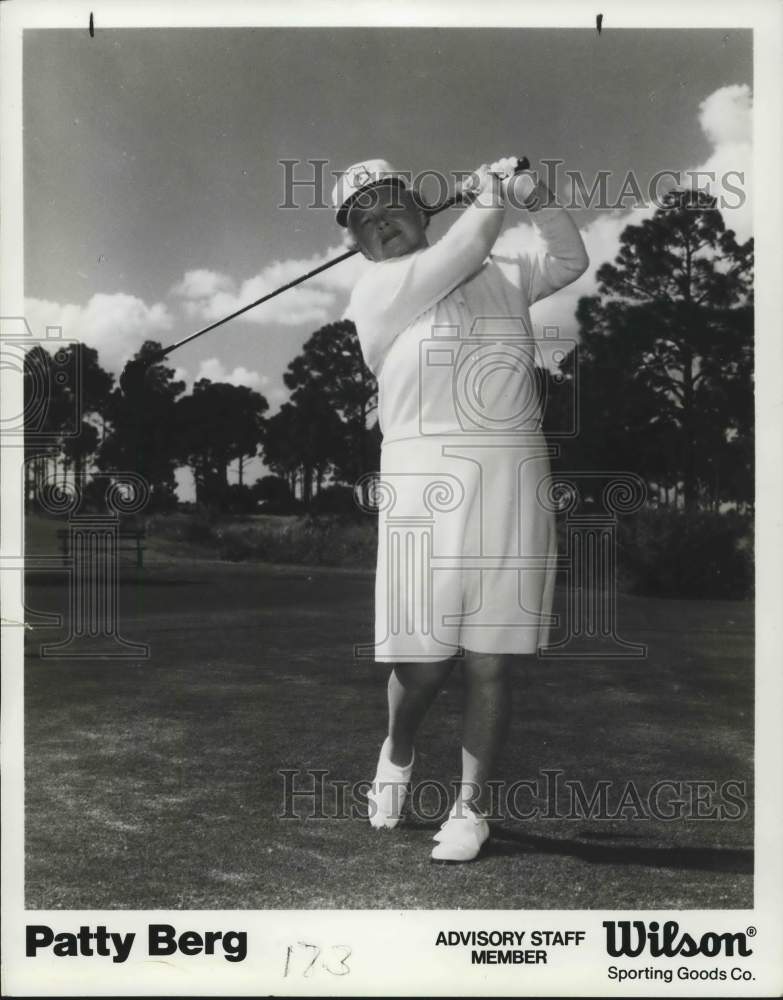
[360, 176]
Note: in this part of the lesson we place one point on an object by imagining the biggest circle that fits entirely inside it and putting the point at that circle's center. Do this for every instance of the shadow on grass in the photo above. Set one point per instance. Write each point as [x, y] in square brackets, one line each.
[505, 842]
[730, 861]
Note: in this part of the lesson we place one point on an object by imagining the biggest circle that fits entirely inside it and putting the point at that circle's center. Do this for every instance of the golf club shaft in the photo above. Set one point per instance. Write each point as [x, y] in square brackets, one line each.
[251, 305]
[522, 164]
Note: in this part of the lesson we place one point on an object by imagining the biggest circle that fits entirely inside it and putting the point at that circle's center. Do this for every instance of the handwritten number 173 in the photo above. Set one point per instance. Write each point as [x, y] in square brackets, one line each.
[304, 959]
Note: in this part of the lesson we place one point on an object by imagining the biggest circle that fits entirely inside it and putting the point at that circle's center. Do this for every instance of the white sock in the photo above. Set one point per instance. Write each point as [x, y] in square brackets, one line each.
[393, 772]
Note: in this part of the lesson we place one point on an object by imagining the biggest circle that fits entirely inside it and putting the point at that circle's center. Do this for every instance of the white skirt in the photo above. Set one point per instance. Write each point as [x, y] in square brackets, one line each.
[467, 549]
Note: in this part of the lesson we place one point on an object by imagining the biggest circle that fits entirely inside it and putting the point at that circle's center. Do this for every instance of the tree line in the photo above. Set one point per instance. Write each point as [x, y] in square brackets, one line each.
[663, 372]
[322, 433]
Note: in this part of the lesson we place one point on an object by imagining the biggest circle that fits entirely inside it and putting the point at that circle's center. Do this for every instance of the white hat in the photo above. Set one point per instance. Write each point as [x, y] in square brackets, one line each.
[360, 176]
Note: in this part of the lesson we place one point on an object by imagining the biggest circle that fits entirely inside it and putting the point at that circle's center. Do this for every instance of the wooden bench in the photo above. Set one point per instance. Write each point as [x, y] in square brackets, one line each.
[134, 536]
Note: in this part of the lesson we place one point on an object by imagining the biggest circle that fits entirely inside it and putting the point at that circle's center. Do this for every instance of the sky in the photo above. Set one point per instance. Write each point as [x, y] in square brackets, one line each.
[153, 178]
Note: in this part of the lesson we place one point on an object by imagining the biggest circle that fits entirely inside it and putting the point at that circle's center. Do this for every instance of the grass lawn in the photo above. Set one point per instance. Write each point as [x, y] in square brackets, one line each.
[154, 783]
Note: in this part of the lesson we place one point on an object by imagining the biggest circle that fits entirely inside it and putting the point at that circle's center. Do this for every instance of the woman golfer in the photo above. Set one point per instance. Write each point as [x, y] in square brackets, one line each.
[466, 550]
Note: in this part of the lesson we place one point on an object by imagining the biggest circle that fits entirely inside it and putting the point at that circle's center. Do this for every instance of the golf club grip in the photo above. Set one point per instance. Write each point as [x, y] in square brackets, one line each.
[522, 164]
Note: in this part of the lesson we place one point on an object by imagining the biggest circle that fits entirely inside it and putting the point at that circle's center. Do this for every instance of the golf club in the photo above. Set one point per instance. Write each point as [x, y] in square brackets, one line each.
[132, 377]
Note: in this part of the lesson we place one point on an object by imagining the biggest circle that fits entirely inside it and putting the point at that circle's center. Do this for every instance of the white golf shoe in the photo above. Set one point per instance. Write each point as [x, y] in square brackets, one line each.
[462, 836]
[388, 791]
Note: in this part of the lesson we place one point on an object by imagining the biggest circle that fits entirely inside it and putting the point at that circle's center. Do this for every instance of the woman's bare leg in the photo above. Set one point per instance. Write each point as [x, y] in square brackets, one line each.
[412, 689]
[486, 717]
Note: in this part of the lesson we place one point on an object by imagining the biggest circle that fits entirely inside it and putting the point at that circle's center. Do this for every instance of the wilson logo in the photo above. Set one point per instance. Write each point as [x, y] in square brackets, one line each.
[632, 938]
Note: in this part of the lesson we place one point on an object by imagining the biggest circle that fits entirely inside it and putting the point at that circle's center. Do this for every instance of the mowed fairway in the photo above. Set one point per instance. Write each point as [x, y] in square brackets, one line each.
[155, 783]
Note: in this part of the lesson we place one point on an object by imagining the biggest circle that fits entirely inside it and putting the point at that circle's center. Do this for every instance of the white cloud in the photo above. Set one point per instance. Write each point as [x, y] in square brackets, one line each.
[201, 283]
[215, 371]
[210, 295]
[271, 388]
[726, 118]
[278, 395]
[116, 325]
[726, 115]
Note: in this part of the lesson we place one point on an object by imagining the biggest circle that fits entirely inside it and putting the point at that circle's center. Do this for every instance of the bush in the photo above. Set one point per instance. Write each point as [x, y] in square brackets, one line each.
[233, 546]
[661, 553]
[240, 499]
[273, 495]
[667, 553]
[335, 500]
[327, 540]
[196, 527]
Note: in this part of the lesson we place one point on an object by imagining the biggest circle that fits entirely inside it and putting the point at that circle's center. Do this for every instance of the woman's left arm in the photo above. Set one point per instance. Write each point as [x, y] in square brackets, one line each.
[565, 258]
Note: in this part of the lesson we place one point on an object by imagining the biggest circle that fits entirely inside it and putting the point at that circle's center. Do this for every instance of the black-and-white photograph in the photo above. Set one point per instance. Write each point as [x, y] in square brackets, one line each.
[383, 446]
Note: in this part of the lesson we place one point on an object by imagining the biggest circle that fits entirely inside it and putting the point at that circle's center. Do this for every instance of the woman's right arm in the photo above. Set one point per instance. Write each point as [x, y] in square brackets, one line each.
[394, 293]
[458, 254]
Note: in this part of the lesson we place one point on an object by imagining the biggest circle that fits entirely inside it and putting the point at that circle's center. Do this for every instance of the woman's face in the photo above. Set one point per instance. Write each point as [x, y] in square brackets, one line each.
[386, 222]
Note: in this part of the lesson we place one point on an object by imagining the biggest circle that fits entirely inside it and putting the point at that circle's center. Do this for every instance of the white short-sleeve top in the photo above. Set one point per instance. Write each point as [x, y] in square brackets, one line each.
[421, 321]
